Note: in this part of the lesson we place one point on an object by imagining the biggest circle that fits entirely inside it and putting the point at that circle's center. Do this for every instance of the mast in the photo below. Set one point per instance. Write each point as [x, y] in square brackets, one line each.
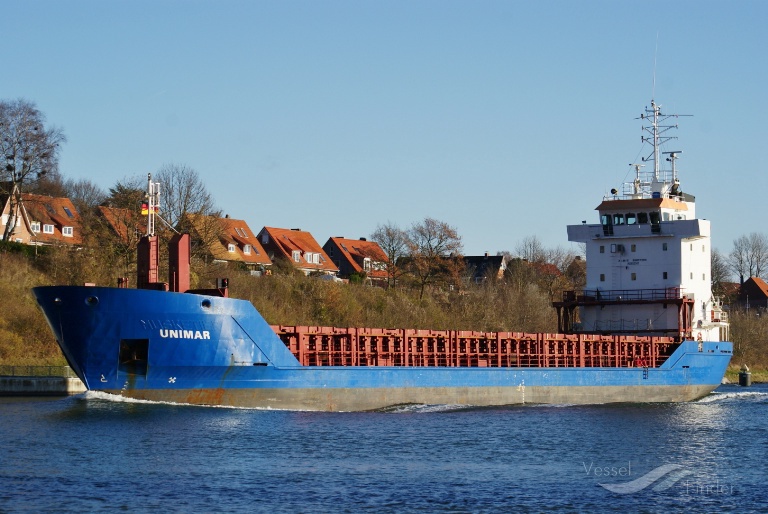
[153, 203]
[661, 181]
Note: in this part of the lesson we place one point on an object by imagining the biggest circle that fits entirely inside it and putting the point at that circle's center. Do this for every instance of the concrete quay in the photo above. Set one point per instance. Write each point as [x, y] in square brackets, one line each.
[39, 381]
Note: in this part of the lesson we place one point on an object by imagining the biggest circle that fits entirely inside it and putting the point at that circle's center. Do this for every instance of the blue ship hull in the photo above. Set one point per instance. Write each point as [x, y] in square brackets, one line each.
[208, 350]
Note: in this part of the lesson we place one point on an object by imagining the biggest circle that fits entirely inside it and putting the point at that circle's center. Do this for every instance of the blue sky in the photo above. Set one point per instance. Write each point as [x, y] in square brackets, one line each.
[505, 119]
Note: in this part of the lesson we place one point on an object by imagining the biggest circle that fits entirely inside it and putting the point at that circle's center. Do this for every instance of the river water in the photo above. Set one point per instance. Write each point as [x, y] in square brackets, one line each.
[97, 453]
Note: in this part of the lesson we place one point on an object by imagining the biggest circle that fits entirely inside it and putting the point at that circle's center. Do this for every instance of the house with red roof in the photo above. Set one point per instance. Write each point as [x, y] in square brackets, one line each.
[358, 256]
[41, 220]
[228, 240]
[126, 224]
[480, 268]
[297, 247]
[753, 294]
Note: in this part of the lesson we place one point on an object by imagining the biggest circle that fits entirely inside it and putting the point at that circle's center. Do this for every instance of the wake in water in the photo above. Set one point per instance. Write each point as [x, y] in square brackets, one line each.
[739, 395]
[413, 408]
[116, 398]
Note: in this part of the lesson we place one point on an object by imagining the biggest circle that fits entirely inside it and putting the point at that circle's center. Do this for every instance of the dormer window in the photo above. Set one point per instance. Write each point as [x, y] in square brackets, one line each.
[296, 256]
[35, 226]
[247, 249]
[47, 229]
[367, 264]
[231, 248]
[66, 231]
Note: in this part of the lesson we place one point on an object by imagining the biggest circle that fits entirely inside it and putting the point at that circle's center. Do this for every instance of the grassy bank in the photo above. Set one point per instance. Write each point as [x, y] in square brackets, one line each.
[759, 376]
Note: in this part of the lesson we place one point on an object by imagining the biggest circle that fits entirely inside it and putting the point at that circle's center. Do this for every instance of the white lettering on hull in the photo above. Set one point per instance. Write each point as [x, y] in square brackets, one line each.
[184, 334]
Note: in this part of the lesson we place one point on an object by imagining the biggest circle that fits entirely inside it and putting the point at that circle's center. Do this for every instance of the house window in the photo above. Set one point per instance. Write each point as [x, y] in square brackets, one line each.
[296, 256]
[247, 249]
[47, 229]
[602, 277]
[231, 248]
[35, 226]
[634, 276]
[264, 238]
[66, 231]
[69, 213]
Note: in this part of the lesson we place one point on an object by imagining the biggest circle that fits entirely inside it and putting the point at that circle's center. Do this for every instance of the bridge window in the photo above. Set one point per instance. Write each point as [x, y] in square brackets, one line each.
[642, 218]
[631, 218]
[618, 219]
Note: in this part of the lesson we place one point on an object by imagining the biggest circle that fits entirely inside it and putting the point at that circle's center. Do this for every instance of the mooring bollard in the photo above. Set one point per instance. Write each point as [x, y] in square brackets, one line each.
[745, 377]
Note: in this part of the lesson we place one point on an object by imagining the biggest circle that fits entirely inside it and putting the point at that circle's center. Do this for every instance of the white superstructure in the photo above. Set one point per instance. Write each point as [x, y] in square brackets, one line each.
[649, 258]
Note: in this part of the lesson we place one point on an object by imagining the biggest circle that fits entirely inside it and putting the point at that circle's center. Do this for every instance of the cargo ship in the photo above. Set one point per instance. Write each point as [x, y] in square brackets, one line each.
[645, 328]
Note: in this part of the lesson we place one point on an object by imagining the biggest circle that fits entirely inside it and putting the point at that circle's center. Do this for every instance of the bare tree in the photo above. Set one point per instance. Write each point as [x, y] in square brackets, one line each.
[749, 256]
[29, 150]
[435, 249]
[720, 272]
[84, 194]
[187, 206]
[394, 242]
[531, 250]
[183, 192]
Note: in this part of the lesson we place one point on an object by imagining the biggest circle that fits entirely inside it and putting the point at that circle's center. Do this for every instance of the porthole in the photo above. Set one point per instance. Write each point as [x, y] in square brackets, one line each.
[206, 304]
[91, 300]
